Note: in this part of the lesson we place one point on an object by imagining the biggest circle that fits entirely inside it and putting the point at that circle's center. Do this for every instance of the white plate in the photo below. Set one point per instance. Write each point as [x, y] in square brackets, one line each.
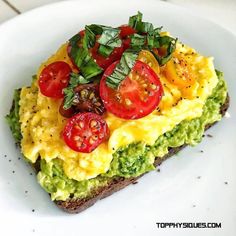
[168, 196]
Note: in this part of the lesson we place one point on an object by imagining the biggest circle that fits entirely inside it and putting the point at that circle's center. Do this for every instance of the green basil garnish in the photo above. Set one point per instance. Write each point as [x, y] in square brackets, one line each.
[89, 38]
[137, 41]
[110, 37]
[140, 26]
[170, 44]
[84, 61]
[75, 80]
[122, 69]
[105, 50]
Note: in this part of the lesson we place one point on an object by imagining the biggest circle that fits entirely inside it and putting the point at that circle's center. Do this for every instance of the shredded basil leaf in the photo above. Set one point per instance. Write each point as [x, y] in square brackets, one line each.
[135, 20]
[75, 80]
[84, 61]
[108, 40]
[153, 38]
[140, 26]
[89, 68]
[122, 69]
[89, 37]
[110, 37]
[105, 50]
[170, 44]
[96, 29]
[74, 40]
[137, 40]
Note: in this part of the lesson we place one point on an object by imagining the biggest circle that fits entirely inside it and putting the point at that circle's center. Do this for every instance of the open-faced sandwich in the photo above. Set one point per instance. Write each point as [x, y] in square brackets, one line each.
[110, 105]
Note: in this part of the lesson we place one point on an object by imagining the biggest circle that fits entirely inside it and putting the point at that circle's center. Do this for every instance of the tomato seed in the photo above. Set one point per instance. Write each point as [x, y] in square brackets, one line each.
[95, 137]
[80, 125]
[128, 102]
[79, 144]
[77, 138]
[91, 141]
[153, 86]
[97, 104]
[91, 96]
[93, 124]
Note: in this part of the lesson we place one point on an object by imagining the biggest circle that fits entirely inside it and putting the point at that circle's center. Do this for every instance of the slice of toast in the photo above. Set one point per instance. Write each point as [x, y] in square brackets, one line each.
[116, 184]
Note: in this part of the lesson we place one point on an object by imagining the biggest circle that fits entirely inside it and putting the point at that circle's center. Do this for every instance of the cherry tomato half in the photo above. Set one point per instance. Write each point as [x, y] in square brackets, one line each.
[85, 131]
[54, 78]
[126, 30]
[148, 58]
[104, 62]
[136, 96]
[179, 72]
[87, 99]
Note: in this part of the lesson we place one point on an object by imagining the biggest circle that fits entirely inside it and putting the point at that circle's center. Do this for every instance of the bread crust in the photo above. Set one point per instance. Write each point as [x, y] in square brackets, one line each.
[118, 183]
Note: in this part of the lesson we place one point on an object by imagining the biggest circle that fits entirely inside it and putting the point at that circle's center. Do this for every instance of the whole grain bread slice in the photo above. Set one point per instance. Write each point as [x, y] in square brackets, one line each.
[116, 184]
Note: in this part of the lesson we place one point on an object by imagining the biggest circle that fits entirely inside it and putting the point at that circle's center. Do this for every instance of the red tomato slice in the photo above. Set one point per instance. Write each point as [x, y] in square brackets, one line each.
[137, 95]
[54, 78]
[104, 62]
[85, 131]
[126, 30]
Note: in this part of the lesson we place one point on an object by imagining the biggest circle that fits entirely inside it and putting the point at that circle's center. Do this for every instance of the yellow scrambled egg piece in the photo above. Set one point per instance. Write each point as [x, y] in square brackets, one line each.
[42, 124]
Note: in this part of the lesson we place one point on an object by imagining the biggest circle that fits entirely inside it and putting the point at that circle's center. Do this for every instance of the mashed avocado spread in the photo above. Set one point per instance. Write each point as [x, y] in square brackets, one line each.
[130, 161]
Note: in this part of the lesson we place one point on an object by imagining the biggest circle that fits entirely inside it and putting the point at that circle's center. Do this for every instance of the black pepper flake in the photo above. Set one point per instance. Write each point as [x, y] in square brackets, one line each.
[33, 210]
[194, 205]
[19, 158]
[203, 135]
[13, 171]
[209, 136]
[5, 155]
[199, 177]
[158, 169]
[10, 160]
[225, 182]
[135, 182]
[26, 191]
[201, 151]
[31, 173]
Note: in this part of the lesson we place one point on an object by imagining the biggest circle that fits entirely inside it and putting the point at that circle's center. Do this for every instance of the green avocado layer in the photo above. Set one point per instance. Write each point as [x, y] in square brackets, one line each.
[13, 117]
[134, 159]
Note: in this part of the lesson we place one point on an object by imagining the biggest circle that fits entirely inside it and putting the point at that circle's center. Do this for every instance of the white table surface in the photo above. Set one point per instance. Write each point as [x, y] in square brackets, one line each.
[222, 12]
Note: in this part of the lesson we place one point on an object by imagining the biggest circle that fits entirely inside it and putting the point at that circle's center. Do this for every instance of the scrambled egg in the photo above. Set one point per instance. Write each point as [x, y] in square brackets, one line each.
[42, 124]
